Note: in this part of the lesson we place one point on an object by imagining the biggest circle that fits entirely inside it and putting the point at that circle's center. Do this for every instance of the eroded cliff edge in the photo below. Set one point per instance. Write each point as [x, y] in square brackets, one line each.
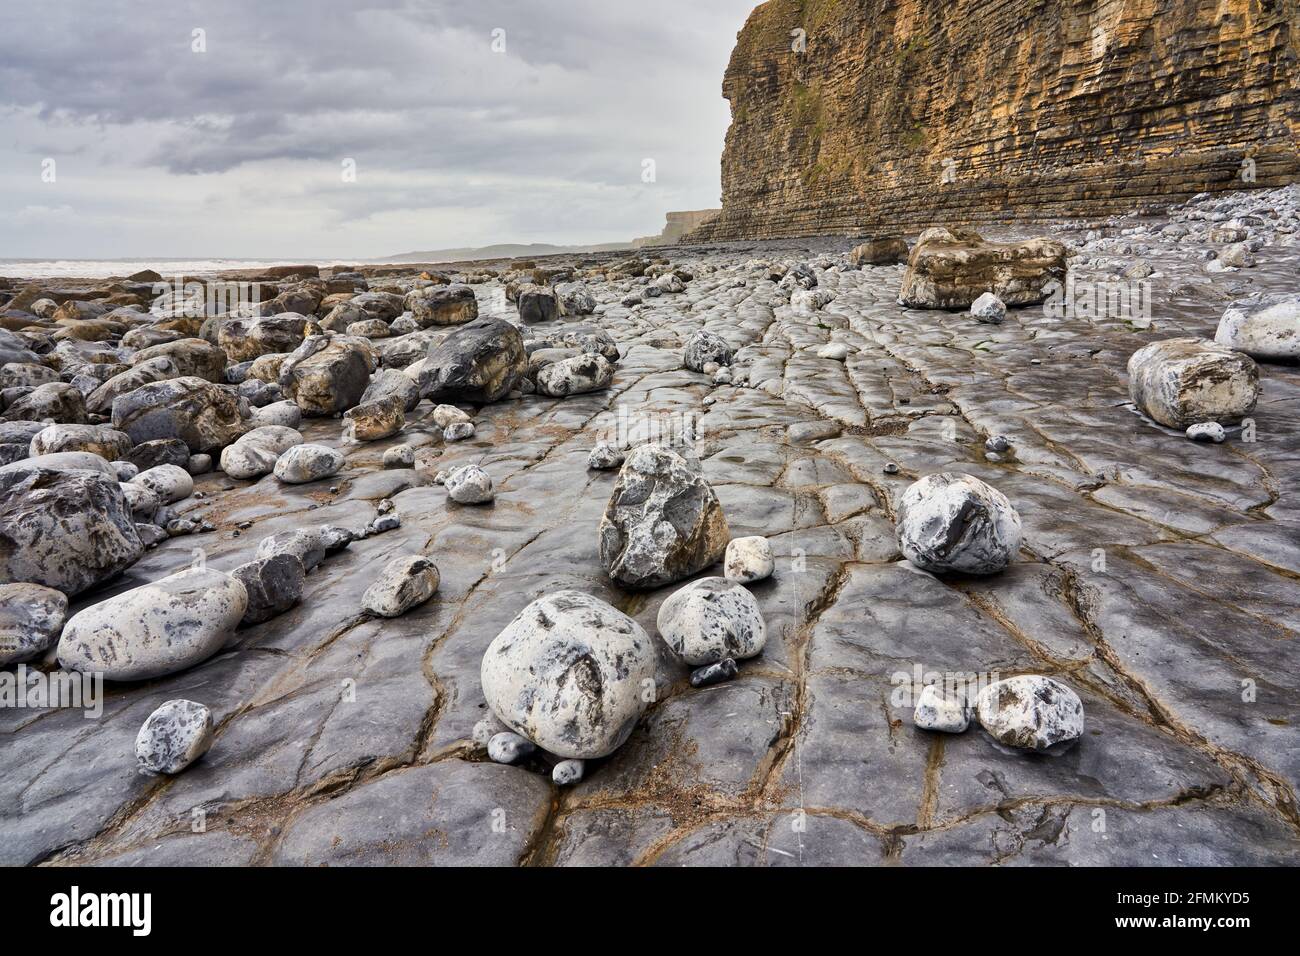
[886, 113]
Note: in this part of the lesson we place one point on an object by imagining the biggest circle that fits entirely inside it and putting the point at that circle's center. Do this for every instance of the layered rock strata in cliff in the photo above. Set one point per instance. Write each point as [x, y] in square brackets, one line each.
[849, 116]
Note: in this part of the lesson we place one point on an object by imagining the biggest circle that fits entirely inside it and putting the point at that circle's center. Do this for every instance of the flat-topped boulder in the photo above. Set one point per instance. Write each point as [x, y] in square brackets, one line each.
[951, 268]
[1186, 381]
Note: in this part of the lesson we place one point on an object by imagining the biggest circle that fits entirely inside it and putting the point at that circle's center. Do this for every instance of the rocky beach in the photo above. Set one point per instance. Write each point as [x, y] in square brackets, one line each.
[940, 547]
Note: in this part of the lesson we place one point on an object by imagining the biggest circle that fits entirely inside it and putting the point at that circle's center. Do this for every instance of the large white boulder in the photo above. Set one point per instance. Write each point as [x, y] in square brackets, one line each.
[955, 522]
[1266, 327]
[1185, 381]
[571, 674]
[710, 620]
[155, 629]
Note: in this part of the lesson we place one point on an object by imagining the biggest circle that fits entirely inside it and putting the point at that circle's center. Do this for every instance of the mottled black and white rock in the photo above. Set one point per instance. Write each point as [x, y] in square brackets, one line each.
[157, 628]
[273, 585]
[1211, 432]
[469, 485]
[936, 710]
[285, 414]
[98, 440]
[308, 545]
[571, 674]
[399, 456]
[989, 309]
[308, 462]
[403, 584]
[509, 747]
[51, 402]
[169, 482]
[31, 617]
[175, 735]
[710, 620]
[1185, 381]
[566, 773]
[575, 300]
[715, 673]
[67, 530]
[458, 431]
[955, 522]
[573, 376]
[663, 522]
[748, 559]
[478, 363]
[605, 455]
[1030, 712]
[703, 347]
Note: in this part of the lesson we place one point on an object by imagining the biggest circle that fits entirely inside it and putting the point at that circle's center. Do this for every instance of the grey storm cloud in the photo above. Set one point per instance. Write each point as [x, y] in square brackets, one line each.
[583, 92]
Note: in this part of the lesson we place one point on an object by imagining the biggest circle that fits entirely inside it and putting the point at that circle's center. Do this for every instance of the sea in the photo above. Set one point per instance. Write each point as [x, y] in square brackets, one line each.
[167, 268]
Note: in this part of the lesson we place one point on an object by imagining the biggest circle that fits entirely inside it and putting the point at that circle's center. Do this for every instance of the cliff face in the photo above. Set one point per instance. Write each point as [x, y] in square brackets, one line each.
[901, 113]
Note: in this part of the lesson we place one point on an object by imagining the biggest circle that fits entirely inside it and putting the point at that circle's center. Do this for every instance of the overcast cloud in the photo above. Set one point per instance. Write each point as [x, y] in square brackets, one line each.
[238, 151]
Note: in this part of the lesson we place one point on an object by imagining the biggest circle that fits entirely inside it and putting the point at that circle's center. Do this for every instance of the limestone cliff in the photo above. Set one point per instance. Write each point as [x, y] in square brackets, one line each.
[677, 225]
[853, 115]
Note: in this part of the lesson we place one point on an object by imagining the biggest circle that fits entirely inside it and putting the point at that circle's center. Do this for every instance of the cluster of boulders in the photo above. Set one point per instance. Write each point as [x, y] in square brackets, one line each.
[1029, 712]
[111, 404]
[570, 676]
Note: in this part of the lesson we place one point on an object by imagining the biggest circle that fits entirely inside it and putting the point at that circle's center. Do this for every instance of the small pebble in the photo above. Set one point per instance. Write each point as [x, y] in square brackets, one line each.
[714, 673]
[1207, 432]
[384, 523]
[890, 468]
[399, 456]
[997, 444]
[175, 735]
[485, 730]
[568, 772]
[935, 711]
[508, 747]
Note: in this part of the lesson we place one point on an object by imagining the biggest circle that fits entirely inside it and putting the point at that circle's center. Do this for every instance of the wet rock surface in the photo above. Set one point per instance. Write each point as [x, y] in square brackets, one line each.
[1155, 578]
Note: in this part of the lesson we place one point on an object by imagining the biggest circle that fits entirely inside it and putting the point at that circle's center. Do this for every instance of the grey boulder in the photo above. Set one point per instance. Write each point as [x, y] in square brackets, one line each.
[1185, 381]
[704, 347]
[403, 584]
[663, 522]
[67, 530]
[478, 363]
[203, 415]
[1265, 327]
[307, 462]
[273, 585]
[31, 617]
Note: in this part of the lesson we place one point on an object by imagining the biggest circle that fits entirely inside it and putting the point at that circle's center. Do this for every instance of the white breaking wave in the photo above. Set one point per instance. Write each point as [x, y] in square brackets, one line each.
[167, 268]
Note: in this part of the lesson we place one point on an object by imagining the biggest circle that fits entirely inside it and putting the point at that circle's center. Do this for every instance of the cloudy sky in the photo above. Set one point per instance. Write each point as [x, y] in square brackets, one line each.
[162, 148]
